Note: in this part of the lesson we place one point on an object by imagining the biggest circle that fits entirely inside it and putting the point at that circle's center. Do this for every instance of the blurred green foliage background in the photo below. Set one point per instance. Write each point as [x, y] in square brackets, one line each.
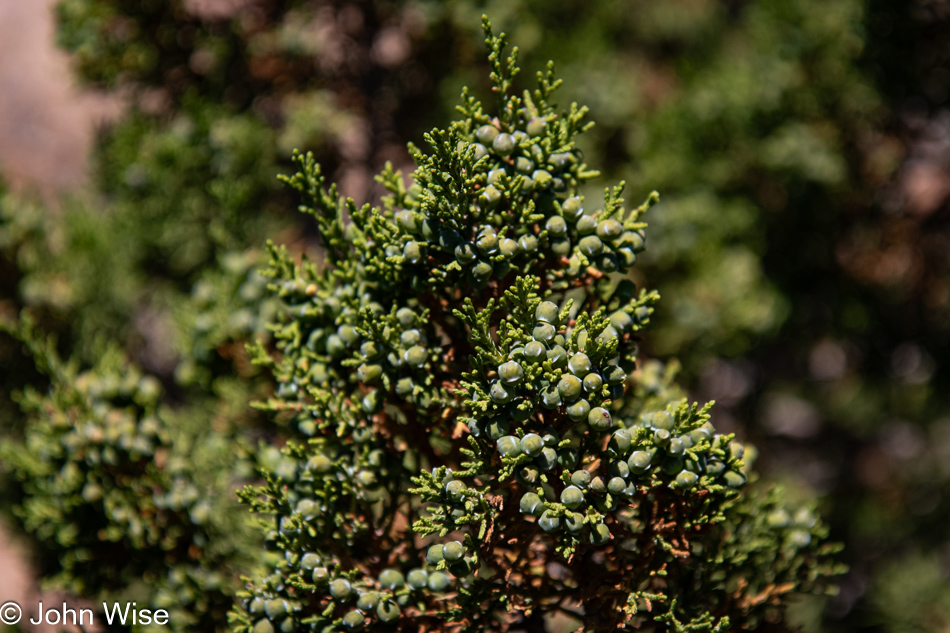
[802, 242]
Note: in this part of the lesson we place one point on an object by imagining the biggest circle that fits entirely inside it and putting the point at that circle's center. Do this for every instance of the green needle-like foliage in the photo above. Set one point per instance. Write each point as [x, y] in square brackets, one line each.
[477, 447]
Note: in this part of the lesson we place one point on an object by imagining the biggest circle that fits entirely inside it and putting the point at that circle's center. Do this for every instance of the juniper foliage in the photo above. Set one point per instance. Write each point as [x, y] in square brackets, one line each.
[477, 447]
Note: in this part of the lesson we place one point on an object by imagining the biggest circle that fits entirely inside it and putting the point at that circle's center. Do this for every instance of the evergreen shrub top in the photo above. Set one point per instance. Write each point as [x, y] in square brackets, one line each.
[478, 448]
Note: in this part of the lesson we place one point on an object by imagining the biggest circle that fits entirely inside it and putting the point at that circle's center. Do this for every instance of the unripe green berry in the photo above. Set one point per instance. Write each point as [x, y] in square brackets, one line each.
[715, 467]
[439, 581]
[600, 534]
[498, 427]
[453, 551]
[461, 568]
[487, 241]
[353, 620]
[574, 522]
[412, 251]
[590, 245]
[503, 144]
[369, 373]
[486, 134]
[536, 126]
[556, 226]
[392, 579]
[620, 442]
[369, 600]
[387, 611]
[585, 226]
[263, 626]
[416, 356]
[639, 462]
[434, 554]
[734, 479]
[455, 491]
[597, 485]
[618, 468]
[569, 387]
[558, 356]
[546, 312]
[567, 458]
[676, 447]
[340, 588]
[550, 397]
[572, 497]
[581, 478]
[320, 575]
[531, 504]
[541, 178]
[547, 459]
[531, 444]
[510, 372]
[417, 578]
[579, 410]
[257, 606]
[686, 479]
[275, 608]
[544, 332]
[509, 446]
[535, 352]
[561, 246]
[580, 364]
[662, 420]
[614, 375]
[523, 165]
[528, 475]
[549, 522]
[572, 208]
[609, 229]
[508, 247]
[499, 394]
[661, 437]
[593, 383]
[616, 485]
[599, 419]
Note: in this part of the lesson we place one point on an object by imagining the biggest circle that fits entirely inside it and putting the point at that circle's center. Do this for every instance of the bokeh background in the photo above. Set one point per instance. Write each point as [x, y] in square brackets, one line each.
[801, 246]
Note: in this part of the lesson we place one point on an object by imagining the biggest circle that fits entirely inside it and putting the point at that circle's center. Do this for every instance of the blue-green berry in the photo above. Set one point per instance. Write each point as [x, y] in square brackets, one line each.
[580, 364]
[509, 446]
[599, 419]
[455, 491]
[544, 332]
[593, 383]
[387, 611]
[392, 578]
[439, 581]
[558, 356]
[510, 372]
[503, 144]
[531, 504]
[531, 444]
[549, 522]
[486, 134]
[453, 551]
[686, 479]
[340, 588]
[263, 626]
[368, 600]
[499, 394]
[616, 485]
[569, 387]
[639, 462]
[581, 478]
[354, 620]
[434, 554]
[535, 352]
[600, 534]
[572, 497]
[417, 578]
[556, 226]
[578, 410]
